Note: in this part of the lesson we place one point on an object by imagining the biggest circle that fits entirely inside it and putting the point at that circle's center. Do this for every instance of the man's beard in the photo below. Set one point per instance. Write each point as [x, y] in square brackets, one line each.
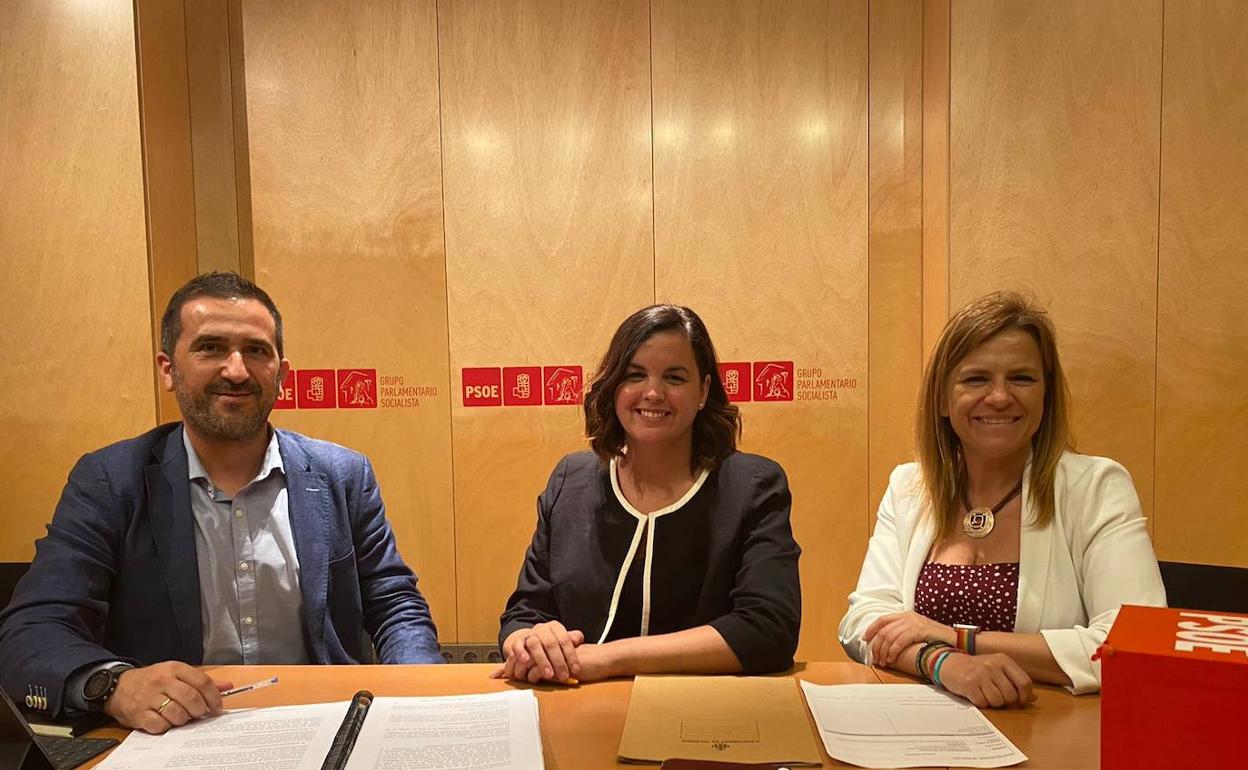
[219, 424]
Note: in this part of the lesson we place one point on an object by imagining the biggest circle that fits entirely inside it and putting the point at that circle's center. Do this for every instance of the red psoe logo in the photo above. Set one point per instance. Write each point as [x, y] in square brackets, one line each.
[482, 386]
[736, 379]
[315, 388]
[773, 380]
[562, 385]
[286, 392]
[522, 386]
[357, 388]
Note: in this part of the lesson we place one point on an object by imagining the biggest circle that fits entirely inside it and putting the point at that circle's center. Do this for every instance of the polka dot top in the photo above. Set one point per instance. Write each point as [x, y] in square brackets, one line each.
[984, 595]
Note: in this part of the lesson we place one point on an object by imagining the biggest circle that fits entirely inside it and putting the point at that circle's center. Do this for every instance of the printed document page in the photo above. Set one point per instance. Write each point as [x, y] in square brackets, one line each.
[281, 738]
[460, 732]
[456, 732]
[905, 725]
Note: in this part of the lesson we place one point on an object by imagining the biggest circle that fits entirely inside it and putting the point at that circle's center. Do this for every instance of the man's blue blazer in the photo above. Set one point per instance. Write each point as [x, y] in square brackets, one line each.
[116, 577]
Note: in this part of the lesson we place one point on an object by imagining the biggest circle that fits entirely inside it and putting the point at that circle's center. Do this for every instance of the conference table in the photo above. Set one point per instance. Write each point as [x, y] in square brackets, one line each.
[581, 725]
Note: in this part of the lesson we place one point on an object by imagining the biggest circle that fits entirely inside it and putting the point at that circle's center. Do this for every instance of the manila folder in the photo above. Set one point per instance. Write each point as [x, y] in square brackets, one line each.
[728, 718]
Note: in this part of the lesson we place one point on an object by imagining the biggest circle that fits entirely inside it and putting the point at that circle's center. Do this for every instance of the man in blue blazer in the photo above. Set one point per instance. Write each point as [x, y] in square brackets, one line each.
[213, 541]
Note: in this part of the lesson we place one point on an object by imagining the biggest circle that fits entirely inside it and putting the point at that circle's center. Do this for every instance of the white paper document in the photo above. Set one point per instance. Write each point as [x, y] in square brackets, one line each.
[905, 725]
[498, 731]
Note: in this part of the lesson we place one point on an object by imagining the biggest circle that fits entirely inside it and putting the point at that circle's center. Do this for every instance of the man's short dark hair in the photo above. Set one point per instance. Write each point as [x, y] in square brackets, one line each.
[220, 286]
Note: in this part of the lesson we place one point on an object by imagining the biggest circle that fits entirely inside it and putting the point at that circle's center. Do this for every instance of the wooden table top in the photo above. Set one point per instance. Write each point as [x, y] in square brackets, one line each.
[581, 726]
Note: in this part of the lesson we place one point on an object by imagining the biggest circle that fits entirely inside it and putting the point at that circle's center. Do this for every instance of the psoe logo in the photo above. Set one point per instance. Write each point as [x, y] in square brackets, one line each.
[483, 386]
[562, 384]
[736, 379]
[773, 380]
[522, 386]
[286, 393]
[357, 388]
[314, 389]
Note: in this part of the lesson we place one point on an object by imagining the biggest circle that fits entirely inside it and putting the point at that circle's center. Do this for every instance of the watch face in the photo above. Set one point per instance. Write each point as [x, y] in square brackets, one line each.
[98, 685]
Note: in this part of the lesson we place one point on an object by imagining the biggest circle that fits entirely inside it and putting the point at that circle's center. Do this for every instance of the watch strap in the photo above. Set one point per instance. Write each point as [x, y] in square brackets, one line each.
[965, 637]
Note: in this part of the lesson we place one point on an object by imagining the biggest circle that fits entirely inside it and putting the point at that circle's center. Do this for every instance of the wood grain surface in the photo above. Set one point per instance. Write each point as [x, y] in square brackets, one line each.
[76, 326]
[342, 115]
[546, 157]
[159, 39]
[581, 726]
[1202, 323]
[1054, 191]
[895, 248]
[456, 183]
[761, 197]
[936, 37]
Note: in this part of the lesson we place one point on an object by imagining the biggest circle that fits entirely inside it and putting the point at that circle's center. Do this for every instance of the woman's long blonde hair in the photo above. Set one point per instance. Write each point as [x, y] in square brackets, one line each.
[940, 451]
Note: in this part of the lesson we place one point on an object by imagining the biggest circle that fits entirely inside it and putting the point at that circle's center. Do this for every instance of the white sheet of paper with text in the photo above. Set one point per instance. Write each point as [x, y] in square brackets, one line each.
[498, 731]
[280, 738]
[905, 725]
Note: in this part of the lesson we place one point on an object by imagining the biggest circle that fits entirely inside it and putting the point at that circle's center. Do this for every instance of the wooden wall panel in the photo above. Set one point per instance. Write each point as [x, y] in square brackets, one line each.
[935, 171]
[194, 147]
[895, 247]
[1054, 190]
[76, 330]
[1202, 327]
[168, 170]
[760, 130]
[546, 143]
[218, 135]
[342, 115]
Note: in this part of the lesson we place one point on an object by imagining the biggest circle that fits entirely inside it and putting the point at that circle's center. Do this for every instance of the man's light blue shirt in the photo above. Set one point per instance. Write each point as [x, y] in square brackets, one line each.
[250, 603]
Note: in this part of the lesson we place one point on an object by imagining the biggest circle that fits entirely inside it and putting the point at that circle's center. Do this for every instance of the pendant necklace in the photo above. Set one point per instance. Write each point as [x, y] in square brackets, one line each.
[978, 522]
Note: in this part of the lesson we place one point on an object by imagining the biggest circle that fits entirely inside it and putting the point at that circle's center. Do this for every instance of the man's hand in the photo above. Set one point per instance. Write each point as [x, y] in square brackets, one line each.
[890, 634]
[987, 680]
[545, 651]
[155, 698]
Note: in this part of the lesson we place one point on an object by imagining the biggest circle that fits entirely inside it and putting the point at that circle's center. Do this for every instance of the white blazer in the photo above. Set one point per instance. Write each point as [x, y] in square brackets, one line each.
[1074, 574]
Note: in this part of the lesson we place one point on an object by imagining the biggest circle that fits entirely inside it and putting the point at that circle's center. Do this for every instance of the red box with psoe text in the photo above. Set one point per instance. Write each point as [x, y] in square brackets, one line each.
[1174, 684]
[482, 386]
[286, 392]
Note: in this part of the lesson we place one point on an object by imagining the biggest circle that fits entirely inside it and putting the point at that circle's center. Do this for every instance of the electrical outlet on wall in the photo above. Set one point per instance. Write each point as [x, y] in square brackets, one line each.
[472, 652]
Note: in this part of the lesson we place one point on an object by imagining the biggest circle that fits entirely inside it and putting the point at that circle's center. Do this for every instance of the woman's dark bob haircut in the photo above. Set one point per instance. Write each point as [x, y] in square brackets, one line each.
[717, 426]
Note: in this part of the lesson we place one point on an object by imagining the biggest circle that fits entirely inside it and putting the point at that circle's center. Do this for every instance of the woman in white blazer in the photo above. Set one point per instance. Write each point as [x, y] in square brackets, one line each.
[999, 542]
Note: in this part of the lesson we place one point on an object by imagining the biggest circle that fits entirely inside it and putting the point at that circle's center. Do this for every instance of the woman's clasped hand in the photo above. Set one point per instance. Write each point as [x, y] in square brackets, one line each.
[890, 635]
[990, 680]
[546, 651]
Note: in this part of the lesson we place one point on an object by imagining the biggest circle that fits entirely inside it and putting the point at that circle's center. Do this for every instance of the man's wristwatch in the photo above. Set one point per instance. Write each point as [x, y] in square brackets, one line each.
[100, 685]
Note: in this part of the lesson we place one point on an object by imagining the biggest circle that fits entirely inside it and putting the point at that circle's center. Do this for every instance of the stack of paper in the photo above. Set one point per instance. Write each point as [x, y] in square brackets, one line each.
[498, 730]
